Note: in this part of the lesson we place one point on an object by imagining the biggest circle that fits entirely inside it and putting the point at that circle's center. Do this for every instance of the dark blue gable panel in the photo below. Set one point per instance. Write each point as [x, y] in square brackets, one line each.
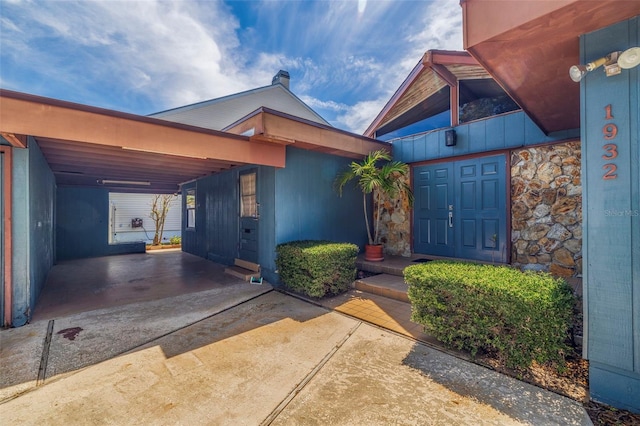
[505, 131]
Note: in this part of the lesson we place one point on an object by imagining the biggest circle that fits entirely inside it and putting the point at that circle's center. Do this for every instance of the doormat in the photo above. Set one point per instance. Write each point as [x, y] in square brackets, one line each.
[421, 260]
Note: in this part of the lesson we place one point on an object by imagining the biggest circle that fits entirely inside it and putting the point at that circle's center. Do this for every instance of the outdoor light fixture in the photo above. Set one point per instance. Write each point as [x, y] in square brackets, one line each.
[613, 63]
[629, 58]
[450, 137]
[123, 182]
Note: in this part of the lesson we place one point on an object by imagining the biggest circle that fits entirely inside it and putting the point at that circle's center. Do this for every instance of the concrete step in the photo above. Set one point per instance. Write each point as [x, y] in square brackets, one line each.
[387, 285]
[242, 273]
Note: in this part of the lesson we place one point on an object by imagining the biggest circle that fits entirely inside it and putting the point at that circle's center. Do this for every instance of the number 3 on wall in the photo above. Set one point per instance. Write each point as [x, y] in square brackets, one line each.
[609, 131]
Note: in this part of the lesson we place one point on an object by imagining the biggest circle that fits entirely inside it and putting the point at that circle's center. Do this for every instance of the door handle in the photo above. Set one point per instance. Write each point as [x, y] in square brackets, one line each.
[450, 219]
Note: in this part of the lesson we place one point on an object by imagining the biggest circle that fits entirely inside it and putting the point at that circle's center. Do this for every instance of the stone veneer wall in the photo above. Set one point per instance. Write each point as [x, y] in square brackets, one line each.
[395, 225]
[546, 209]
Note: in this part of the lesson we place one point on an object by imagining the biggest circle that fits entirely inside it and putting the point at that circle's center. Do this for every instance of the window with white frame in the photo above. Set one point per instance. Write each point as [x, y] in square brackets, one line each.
[190, 201]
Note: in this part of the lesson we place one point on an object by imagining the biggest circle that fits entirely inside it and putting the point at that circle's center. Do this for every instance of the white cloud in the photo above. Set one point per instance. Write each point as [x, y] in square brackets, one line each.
[358, 117]
[441, 24]
[325, 105]
[345, 57]
[175, 52]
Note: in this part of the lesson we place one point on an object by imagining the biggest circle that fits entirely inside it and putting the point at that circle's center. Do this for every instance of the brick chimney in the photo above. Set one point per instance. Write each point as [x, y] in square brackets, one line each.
[282, 77]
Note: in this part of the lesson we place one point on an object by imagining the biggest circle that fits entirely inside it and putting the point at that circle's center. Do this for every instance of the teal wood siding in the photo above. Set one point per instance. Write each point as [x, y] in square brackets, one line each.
[307, 206]
[42, 199]
[215, 235]
[296, 203]
[82, 225]
[611, 209]
[34, 193]
[505, 131]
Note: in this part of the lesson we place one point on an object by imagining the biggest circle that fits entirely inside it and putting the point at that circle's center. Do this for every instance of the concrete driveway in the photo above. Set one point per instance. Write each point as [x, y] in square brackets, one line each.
[243, 354]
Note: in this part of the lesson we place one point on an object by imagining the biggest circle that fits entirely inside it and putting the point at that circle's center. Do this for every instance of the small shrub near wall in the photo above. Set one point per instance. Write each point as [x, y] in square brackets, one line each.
[517, 316]
[317, 268]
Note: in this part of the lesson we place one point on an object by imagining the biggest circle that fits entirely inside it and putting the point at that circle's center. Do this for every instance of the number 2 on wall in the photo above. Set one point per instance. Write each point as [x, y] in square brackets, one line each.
[609, 131]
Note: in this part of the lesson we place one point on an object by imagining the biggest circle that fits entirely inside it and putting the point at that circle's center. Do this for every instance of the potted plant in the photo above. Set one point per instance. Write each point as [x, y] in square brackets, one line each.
[377, 174]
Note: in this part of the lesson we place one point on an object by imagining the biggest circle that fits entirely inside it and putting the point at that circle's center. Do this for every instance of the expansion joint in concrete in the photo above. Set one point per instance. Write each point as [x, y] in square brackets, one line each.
[44, 359]
[276, 412]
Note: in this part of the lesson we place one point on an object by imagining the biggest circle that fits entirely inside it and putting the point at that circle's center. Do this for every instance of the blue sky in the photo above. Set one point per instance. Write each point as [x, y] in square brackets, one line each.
[346, 58]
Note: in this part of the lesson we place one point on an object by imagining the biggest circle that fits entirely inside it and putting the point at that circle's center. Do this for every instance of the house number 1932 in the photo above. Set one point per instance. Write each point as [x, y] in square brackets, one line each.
[609, 131]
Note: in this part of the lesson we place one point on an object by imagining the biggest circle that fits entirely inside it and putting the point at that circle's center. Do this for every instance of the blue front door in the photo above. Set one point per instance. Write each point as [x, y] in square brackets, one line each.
[460, 209]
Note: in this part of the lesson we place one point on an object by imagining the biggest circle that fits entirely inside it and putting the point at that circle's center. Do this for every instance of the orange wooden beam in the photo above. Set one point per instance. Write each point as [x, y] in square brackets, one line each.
[19, 141]
[32, 115]
[277, 126]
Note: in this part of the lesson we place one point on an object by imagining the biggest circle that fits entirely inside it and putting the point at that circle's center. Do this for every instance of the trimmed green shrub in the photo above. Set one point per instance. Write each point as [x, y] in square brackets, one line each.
[517, 316]
[317, 268]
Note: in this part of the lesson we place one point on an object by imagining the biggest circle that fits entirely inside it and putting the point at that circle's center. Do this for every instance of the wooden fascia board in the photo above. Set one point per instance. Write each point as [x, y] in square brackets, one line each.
[282, 128]
[452, 81]
[19, 141]
[448, 57]
[28, 115]
[406, 84]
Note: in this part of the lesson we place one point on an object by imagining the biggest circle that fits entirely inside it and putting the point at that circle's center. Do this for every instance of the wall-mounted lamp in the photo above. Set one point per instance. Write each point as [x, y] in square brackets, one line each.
[123, 182]
[450, 137]
[613, 63]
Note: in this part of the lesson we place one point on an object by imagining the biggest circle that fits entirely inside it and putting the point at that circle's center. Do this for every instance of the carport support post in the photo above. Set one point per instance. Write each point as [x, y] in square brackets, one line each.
[20, 242]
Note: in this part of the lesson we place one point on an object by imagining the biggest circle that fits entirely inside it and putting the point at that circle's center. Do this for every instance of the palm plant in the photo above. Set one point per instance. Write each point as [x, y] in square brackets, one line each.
[383, 178]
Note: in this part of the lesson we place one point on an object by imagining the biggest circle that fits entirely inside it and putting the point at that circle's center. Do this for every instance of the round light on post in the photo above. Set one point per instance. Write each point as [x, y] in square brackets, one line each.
[629, 58]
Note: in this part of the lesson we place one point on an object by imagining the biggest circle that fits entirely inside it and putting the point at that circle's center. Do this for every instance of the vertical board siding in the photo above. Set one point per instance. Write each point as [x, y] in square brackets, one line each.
[217, 217]
[267, 234]
[219, 237]
[612, 221]
[42, 196]
[82, 225]
[33, 243]
[505, 131]
[215, 235]
[308, 207]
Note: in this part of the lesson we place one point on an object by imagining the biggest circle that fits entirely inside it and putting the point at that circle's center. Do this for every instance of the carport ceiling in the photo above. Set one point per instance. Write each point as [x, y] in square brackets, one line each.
[93, 147]
[85, 164]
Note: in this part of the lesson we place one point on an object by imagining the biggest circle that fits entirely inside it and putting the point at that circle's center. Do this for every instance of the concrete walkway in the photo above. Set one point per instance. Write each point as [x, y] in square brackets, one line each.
[245, 354]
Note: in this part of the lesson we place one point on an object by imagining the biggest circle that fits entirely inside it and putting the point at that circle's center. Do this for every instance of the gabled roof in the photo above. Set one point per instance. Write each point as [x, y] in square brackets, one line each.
[436, 70]
[217, 114]
[528, 47]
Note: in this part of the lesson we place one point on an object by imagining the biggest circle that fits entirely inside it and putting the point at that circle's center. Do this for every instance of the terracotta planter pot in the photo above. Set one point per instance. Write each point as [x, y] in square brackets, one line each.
[373, 253]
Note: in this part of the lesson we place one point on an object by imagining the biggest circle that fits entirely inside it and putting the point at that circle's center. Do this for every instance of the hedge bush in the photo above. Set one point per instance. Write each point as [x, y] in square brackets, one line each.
[517, 316]
[317, 268]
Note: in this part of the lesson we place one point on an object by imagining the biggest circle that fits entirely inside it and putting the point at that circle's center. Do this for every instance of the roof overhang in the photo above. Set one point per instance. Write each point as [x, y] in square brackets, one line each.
[275, 127]
[86, 146]
[436, 70]
[528, 47]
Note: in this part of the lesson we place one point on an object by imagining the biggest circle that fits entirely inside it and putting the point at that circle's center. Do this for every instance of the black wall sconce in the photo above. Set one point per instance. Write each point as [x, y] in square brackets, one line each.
[450, 137]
